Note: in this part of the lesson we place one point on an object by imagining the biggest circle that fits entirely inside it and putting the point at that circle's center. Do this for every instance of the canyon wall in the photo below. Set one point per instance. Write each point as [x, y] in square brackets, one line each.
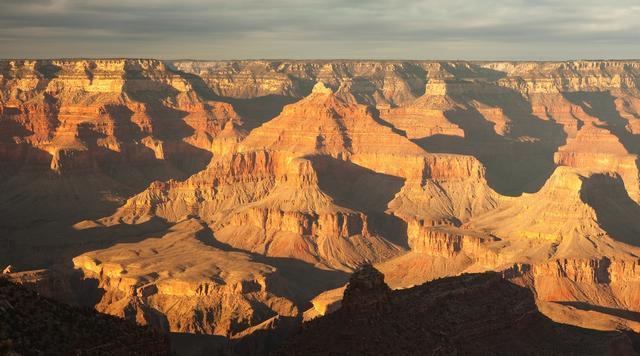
[221, 197]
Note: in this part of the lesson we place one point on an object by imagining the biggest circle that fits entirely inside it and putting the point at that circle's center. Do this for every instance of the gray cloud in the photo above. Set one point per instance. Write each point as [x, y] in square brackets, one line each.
[413, 29]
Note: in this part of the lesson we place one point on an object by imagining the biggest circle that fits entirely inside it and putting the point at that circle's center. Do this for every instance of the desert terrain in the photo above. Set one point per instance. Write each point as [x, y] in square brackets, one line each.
[231, 200]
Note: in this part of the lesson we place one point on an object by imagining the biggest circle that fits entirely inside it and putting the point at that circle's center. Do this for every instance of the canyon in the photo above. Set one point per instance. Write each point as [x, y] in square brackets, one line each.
[232, 199]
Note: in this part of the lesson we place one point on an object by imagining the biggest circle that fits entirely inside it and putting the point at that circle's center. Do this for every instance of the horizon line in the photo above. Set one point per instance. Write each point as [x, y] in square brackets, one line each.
[317, 59]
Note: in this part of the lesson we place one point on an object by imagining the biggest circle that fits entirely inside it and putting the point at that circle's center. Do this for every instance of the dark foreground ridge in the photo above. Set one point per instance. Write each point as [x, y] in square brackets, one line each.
[473, 314]
[34, 325]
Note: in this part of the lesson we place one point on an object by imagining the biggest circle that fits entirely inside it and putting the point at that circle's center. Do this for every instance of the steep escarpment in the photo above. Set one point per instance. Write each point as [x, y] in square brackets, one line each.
[499, 112]
[596, 149]
[425, 116]
[571, 242]
[284, 191]
[389, 83]
[156, 282]
[79, 112]
[299, 187]
[231, 197]
[83, 135]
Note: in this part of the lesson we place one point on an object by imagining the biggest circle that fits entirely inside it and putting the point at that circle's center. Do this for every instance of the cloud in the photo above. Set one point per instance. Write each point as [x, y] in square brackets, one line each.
[473, 29]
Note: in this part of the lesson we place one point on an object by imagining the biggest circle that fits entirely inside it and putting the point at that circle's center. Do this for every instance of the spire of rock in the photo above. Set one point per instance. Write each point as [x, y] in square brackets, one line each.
[366, 289]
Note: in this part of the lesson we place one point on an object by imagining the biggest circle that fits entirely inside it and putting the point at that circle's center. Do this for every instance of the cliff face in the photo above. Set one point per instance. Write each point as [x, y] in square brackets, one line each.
[221, 197]
[157, 282]
[85, 135]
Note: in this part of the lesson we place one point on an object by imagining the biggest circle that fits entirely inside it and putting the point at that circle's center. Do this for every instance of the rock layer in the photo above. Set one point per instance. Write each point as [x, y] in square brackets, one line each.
[221, 197]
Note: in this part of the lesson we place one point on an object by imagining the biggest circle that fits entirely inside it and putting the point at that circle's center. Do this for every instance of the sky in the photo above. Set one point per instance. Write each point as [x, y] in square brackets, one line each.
[321, 29]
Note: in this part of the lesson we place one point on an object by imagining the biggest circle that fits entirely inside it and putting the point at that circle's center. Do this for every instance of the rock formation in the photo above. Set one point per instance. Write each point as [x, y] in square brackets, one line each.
[32, 324]
[471, 314]
[156, 282]
[231, 198]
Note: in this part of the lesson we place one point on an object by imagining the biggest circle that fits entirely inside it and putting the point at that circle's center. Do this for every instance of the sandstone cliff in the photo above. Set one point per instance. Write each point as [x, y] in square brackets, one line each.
[221, 197]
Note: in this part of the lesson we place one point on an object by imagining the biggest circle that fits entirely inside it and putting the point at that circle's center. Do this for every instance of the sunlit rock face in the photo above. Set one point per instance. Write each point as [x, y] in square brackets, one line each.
[232, 198]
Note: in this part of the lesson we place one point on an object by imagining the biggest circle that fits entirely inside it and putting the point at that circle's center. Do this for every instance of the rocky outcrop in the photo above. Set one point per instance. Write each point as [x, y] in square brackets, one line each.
[561, 240]
[448, 241]
[600, 282]
[366, 290]
[427, 115]
[469, 314]
[325, 124]
[325, 303]
[156, 282]
[31, 323]
[598, 150]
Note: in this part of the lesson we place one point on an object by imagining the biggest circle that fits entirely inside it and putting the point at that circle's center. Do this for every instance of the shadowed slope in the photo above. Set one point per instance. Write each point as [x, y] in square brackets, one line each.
[32, 324]
[500, 130]
[616, 212]
[470, 314]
